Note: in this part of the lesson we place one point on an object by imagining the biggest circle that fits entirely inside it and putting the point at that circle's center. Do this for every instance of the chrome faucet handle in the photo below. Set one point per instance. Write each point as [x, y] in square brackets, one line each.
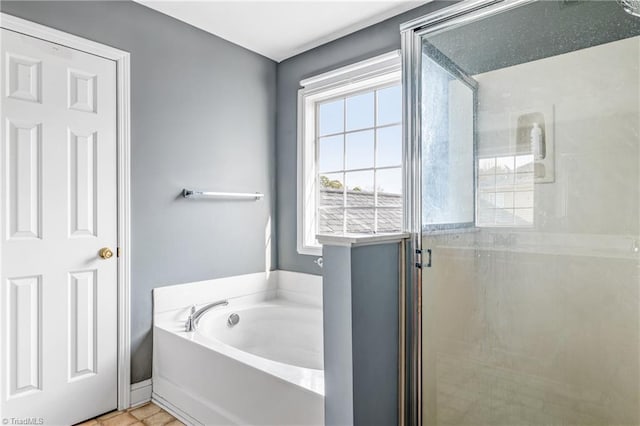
[188, 326]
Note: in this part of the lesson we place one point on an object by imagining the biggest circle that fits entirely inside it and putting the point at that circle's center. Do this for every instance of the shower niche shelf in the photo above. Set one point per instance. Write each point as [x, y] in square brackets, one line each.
[533, 133]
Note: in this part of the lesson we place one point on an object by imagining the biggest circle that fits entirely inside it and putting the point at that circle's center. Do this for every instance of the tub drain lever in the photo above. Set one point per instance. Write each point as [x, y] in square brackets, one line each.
[233, 319]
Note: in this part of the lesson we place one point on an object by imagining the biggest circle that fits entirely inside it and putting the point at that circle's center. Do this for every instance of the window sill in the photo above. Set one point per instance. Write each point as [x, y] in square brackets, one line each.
[352, 240]
[310, 251]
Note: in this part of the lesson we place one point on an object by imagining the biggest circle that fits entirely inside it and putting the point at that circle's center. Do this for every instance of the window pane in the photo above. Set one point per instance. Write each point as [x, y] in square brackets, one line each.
[389, 146]
[390, 105]
[486, 216]
[389, 187]
[504, 200]
[504, 217]
[506, 195]
[331, 153]
[331, 117]
[505, 181]
[487, 199]
[360, 220]
[524, 216]
[504, 164]
[523, 199]
[331, 190]
[524, 181]
[389, 220]
[330, 221]
[360, 150]
[346, 199]
[360, 111]
[487, 183]
[359, 188]
[486, 166]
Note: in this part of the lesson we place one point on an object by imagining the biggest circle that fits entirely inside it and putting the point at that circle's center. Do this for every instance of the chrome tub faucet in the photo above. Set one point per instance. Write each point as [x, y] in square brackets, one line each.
[194, 316]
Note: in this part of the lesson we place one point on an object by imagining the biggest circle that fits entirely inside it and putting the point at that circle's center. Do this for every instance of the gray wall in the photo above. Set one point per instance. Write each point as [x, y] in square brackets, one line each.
[374, 316]
[202, 115]
[368, 42]
[360, 296]
[337, 329]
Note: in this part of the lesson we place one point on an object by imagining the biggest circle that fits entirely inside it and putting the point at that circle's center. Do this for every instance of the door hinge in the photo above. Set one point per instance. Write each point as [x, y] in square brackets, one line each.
[118, 252]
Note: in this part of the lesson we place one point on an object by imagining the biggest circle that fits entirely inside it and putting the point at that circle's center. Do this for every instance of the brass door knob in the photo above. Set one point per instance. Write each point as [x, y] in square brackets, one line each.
[105, 253]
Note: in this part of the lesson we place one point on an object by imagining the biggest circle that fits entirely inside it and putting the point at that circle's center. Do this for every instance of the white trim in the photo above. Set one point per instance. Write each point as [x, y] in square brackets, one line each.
[306, 163]
[124, 230]
[141, 392]
[390, 13]
[32, 29]
[378, 65]
[124, 176]
[356, 240]
[364, 75]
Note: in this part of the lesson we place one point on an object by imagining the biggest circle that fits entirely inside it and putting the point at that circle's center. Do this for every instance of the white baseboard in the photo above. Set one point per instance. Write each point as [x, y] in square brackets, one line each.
[174, 411]
[141, 392]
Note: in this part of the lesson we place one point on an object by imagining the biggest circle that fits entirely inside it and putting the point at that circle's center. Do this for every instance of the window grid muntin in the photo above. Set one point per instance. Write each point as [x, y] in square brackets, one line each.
[398, 123]
[375, 161]
[510, 188]
[357, 92]
[345, 208]
[364, 169]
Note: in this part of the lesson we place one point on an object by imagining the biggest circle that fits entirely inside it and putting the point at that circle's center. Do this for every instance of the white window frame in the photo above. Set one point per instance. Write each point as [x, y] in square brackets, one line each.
[371, 73]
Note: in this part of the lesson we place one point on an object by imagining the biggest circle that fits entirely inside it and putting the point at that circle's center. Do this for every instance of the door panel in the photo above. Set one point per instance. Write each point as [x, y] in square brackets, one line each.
[24, 151]
[82, 184]
[59, 208]
[26, 333]
[448, 143]
[530, 313]
[82, 323]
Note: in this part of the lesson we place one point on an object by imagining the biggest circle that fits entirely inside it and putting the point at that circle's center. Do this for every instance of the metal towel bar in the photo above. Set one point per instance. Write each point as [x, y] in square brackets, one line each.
[192, 193]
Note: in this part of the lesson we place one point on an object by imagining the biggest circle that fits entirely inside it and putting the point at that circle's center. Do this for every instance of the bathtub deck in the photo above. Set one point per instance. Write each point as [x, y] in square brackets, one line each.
[145, 415]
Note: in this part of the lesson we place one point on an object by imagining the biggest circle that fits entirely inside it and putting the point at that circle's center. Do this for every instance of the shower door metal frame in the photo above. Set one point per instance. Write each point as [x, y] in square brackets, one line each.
[412, 33]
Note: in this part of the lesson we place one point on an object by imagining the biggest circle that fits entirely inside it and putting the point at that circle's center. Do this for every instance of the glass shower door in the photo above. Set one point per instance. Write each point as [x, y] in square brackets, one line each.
[529, 132]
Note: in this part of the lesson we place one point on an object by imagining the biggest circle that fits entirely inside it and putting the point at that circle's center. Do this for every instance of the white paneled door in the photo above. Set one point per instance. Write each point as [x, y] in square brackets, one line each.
[59, 224]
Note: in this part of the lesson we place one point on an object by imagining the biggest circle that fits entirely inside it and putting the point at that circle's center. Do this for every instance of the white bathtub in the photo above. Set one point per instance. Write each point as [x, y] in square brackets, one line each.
[265, 370]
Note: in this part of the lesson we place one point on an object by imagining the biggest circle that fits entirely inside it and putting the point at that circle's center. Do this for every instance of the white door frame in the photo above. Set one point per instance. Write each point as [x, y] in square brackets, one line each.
[123, 104]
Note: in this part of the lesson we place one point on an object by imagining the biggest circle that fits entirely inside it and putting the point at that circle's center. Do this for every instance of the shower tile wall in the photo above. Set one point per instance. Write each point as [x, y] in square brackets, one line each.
[549, 333]
[595, 94]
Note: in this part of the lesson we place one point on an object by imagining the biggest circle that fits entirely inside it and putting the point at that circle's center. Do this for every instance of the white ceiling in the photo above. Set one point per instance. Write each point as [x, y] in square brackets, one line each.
[281, 29]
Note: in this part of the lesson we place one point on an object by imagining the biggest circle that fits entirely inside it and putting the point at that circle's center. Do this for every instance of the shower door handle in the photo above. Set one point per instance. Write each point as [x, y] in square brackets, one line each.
[419, 263]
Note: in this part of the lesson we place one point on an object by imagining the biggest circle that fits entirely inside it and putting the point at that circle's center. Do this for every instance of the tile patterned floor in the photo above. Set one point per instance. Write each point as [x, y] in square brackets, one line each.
[145, 415]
